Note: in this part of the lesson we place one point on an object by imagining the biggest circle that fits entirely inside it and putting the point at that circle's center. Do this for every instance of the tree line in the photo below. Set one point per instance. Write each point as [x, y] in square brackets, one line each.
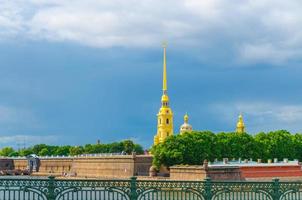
[126, 146]
[193, 148]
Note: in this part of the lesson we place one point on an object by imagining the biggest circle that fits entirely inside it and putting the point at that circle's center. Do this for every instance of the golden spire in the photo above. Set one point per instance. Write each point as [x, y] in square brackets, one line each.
[186, 118]
[165, 114]
[165, 87]
[240, 125]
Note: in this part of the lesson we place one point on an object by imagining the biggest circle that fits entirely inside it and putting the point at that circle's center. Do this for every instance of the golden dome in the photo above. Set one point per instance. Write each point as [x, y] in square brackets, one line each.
[240, 125]
[186, 127]
[165, 98]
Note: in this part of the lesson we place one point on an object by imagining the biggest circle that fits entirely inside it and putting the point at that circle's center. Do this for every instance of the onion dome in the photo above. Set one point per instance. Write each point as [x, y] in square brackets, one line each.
[186, 127]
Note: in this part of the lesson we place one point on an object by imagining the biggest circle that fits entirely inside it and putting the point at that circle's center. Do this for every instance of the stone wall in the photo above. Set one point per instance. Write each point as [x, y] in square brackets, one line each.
[187, 172]
[6, 164]
[117, 166]
[224, 173]
[20, 164]
[243, 171]
[271, 171]
[198, 172]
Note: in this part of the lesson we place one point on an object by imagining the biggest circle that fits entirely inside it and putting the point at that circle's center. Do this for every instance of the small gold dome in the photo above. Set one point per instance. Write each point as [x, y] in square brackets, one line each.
[240, 128]
[186, 127]
[165, 98]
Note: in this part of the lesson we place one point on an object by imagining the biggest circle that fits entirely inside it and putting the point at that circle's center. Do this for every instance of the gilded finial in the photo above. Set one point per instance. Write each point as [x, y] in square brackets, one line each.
[186, 118]
[240, 128]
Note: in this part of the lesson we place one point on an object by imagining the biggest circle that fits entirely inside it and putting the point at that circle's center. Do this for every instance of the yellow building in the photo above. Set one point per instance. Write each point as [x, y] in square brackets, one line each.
[240, 128]
[186, 127]
[165, 114]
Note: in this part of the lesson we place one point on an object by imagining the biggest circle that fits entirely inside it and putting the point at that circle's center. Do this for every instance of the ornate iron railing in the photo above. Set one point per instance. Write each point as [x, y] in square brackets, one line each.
[15, 188]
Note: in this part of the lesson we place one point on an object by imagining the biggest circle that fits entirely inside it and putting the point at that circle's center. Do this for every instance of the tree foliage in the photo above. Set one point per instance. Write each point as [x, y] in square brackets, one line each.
[126, 146]
[6, 151]
[193, 148]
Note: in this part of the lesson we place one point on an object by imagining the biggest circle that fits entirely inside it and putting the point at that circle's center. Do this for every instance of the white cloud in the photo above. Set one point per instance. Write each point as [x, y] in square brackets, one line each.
[262, 116]
[257, 30]
[11, 118]
[26, 140]
[268, 52]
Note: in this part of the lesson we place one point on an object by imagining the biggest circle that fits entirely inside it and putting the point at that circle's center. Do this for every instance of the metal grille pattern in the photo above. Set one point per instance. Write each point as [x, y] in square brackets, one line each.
[132, 189]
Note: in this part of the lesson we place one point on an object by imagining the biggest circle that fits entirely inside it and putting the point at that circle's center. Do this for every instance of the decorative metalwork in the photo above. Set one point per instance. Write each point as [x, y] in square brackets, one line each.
[15, 188]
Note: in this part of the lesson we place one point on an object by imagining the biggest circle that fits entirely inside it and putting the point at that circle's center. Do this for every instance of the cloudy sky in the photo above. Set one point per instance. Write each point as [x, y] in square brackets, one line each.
[72, 72]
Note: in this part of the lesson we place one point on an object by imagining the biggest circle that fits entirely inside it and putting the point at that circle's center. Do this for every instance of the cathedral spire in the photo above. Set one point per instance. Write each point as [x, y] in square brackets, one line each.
[165, 114]
[165, 87]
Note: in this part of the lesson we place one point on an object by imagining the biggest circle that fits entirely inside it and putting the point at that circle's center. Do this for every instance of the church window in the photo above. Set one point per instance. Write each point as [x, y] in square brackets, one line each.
[159, 121]
[167, 121]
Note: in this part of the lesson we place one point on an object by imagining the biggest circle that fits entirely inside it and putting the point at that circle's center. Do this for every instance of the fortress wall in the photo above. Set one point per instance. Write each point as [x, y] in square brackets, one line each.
[48, 165]
[187, 173]
[6, 164]
[271, 171]
[20, 164]
[198, 172]
[58, 165]
[116, 166]
[142, 164]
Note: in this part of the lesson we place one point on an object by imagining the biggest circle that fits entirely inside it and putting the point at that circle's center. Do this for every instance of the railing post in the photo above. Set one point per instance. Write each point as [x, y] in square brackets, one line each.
[51, 188]
[133, 187]
[208, 188]
[276, 189]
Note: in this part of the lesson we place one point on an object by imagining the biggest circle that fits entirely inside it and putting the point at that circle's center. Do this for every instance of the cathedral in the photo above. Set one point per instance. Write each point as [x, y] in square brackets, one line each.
[165, 114]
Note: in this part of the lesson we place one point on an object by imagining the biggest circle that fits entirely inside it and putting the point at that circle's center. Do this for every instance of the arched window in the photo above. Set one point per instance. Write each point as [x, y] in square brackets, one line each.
[167, 121]
[159, 121]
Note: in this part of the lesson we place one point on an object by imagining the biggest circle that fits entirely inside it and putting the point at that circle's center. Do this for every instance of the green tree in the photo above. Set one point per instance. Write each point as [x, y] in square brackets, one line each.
[281, 144]
[76, 150]
[115, 147]
[26, 152]
[14, 154]
[44, 152]
[128, 146]
[263, 144]
[63, 150]
[6, 151]
[189, 148]
[138, 149]
[236, 145]
[36, 149]
[297, 140]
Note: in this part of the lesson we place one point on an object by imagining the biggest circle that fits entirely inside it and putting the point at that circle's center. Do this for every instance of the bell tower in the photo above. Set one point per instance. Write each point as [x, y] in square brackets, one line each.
[165, 114]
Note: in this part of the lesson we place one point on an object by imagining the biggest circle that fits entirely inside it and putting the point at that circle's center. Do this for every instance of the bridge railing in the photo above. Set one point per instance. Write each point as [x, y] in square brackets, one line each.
[20, 188]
